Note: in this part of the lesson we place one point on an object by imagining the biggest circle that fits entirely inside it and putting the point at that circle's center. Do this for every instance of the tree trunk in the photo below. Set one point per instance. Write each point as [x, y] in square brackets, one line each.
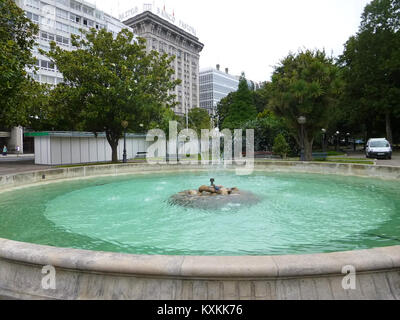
[308, 148]
[114, 149]
[113, 141]
[389, 133]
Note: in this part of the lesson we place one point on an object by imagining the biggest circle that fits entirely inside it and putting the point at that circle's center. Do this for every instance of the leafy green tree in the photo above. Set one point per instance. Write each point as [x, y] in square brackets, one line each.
[261, 97]
[109, 80]
[371, 68]
[199, 119]
[281, 147]
[266, 127]
[241, 107]
[223, 108]
[167, 115]
[16, 42]
[305, 84]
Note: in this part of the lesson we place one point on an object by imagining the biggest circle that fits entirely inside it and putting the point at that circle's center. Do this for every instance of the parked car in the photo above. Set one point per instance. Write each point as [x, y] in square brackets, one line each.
[378, 148]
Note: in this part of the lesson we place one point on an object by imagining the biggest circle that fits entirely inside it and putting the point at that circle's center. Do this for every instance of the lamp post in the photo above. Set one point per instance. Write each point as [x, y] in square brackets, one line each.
[337, 141]
[323, 140]
[125, 125]
[302, 121]
[348, 139]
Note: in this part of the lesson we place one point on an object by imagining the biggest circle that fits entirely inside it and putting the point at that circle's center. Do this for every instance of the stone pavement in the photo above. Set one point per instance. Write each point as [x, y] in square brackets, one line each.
[23, 164]
[395, 162]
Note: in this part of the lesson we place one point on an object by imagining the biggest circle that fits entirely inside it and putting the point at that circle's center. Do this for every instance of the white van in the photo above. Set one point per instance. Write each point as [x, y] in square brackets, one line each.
[378, 148]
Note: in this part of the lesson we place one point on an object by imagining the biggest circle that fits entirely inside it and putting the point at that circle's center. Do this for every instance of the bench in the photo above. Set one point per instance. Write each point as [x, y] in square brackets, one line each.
[141, 155]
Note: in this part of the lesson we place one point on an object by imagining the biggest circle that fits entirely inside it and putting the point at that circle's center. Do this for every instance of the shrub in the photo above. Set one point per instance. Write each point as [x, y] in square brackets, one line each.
[281, 147]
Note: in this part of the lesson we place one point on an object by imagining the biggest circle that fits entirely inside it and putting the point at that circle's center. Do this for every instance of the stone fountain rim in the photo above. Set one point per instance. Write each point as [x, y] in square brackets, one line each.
[210, 267]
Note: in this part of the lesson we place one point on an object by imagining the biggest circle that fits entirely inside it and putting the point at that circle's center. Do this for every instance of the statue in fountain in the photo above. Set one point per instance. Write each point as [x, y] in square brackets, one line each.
[212, 197]
[214, 190]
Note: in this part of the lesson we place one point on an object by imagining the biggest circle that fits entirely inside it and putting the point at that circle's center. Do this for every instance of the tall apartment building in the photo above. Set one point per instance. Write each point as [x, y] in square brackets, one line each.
[57, 20]
[175, 39]
[216, 85]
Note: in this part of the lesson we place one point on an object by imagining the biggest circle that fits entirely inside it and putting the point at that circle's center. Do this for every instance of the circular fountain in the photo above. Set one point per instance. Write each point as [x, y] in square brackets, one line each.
[130, 232]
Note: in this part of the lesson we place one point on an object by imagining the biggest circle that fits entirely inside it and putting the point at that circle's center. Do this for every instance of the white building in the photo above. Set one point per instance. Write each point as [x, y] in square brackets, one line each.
[216, 85]
[57, 20]
[64, 148]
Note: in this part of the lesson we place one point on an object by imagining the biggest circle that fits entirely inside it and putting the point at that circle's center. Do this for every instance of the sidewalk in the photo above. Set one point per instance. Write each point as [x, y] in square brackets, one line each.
[16, 157]
[395, 162]
[11, 164]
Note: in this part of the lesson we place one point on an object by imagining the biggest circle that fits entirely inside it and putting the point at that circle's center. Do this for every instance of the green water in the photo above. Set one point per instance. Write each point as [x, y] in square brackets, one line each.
[298, 214]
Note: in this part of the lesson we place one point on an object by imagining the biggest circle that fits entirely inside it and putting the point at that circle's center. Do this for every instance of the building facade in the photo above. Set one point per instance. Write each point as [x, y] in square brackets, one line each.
[164, 36]
[216, 84]
[57, 21]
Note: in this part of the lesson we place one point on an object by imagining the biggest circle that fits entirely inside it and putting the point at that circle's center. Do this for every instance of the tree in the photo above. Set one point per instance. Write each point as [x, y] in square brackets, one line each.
[371, 67]
[199, 119]
[16, 43]
[281, 147]
[223, 108]
[166, 116]
[266, 127]
[240, 109]
[109, 80]
[305, 84]
[261, 97]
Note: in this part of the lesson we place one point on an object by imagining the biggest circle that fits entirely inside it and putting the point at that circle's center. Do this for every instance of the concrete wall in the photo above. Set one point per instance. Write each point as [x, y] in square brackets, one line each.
[56, 150]
[98, 275]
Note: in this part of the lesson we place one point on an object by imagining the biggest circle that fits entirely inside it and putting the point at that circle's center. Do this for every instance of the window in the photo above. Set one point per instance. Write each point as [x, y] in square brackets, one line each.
[62, 40]
[75, 5]
[32, 16]
[33, 4]
[74, 18]
[48, 9]
[47, 79]
[63, 2]
[47, 65]
[47, 22]
[62, 27]
[88, 10]
[62, 14]
[74, 30]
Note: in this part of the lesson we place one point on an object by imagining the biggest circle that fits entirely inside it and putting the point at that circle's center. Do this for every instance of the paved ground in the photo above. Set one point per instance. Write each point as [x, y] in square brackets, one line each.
[14, 164]
[394, 162]
[10, 166]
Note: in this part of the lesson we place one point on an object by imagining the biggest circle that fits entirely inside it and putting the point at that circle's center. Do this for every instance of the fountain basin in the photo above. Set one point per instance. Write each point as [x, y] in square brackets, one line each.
[103, 275]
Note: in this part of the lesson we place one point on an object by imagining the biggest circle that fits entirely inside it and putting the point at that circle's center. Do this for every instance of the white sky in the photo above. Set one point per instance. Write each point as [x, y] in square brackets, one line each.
[254, 35]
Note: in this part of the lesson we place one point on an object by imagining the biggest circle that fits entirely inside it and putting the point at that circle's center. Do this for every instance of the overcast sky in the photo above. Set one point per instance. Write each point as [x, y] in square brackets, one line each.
[254, 35]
